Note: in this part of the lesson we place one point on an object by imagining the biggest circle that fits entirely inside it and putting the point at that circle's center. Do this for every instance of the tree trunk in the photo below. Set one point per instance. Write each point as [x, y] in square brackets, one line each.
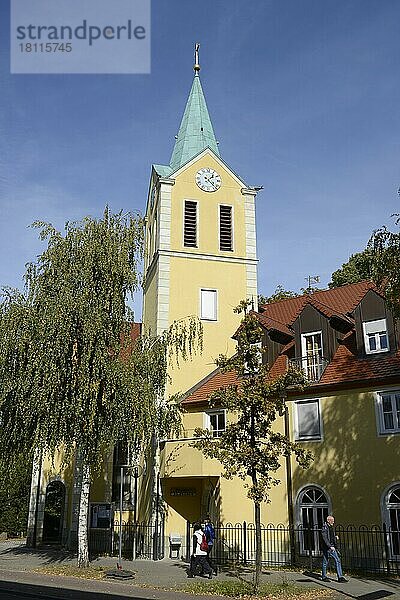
[257, 508]
[83, 549]
[257, 519]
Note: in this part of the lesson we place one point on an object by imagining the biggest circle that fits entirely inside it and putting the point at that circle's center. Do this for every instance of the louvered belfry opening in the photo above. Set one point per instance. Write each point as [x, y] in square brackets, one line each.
[225, 228]
[190, 226]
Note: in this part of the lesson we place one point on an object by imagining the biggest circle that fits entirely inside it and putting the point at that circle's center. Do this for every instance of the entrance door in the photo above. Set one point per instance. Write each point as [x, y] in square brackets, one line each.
[54, 513]
[314, 509]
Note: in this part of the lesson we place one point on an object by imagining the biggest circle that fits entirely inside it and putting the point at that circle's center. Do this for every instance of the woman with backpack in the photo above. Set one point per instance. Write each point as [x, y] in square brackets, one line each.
[209, 532]
[198, 559]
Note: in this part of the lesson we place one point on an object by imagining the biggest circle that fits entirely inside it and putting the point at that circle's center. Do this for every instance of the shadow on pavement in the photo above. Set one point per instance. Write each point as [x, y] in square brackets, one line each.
[29, 591]
[375, 595]
[51, 554]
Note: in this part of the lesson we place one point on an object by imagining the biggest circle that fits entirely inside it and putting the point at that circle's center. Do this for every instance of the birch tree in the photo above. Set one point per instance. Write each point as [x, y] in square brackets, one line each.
[250, 447]
[71, 375]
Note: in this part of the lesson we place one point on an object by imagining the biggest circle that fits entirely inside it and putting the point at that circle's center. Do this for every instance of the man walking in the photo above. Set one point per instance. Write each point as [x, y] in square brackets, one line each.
[329, 550]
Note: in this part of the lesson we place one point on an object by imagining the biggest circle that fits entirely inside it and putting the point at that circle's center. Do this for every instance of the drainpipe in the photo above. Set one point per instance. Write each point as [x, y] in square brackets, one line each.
[289, 487]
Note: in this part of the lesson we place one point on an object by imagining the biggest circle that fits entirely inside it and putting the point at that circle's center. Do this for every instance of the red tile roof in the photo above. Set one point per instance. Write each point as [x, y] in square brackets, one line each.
[345, 368]
[202, 391]
[272, 324]
[341, 300]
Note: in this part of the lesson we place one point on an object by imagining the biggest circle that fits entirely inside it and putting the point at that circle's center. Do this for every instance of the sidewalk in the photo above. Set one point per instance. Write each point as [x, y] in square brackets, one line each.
[17, 563]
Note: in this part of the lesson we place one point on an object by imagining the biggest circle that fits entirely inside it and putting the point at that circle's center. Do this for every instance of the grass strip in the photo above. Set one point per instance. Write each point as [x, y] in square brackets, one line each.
[243, 590]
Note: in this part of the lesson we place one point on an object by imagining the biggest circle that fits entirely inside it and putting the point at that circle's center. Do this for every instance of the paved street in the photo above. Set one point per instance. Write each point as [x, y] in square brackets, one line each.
[14, 591]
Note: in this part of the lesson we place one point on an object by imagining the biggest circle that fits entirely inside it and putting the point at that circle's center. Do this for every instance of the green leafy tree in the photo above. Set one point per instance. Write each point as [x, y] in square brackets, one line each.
[279, 294]
[357, 268]
[15, 479]
[249, 447]
[70, 373]
[384, 247]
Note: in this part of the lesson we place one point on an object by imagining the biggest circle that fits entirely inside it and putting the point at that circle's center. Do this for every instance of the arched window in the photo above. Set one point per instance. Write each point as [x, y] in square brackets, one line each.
[54, 512]
[392, 519]
[313, 508]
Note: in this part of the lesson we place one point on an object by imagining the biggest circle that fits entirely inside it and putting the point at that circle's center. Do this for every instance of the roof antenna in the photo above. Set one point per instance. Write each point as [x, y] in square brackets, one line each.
[311, 279]
[196, 66]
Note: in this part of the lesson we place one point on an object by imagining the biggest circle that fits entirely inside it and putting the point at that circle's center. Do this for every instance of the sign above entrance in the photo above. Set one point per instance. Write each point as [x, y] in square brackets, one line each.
[183, 492]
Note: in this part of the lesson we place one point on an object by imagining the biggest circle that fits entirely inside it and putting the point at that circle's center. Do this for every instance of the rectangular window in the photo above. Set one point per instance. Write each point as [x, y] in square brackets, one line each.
[190, 224]
[388, 404]
[208, 305]
[216, 422]
[312, 359]
[375, 336]
[225, 229]
[308, 420]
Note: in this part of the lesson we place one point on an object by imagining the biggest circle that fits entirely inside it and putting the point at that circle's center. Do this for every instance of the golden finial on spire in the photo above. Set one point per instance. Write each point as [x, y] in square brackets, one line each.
[196, 66]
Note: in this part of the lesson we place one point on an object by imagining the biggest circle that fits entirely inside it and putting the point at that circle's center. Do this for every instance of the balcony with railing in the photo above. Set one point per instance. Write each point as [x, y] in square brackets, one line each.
[313, 366]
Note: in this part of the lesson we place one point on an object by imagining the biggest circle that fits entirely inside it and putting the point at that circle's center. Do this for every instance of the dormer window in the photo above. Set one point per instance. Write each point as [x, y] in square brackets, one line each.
[376, 336]
[311, 355]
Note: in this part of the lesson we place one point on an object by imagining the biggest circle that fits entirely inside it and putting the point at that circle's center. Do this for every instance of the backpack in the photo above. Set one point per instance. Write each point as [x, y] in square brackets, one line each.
[210, 534]
[204, 545]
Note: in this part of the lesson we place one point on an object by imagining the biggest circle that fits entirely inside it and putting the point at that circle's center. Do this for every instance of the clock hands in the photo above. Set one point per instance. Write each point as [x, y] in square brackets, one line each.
[211, 182]
[208, 180]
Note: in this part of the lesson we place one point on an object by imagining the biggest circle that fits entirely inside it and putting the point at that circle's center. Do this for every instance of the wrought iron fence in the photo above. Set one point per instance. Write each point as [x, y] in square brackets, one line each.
[368, 549]
[140, 540]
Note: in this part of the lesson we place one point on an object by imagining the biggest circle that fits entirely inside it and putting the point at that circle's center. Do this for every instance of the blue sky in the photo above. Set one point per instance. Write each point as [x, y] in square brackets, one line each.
[304, 96]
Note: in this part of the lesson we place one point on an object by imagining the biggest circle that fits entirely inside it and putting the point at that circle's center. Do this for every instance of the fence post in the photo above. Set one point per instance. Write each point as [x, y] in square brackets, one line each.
[387, 549]
[188, 541]
[310, 548]
[292, 545]
[244, 543]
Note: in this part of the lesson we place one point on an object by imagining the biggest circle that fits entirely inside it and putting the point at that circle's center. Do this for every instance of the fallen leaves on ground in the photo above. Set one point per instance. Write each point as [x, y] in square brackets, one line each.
[72, 571]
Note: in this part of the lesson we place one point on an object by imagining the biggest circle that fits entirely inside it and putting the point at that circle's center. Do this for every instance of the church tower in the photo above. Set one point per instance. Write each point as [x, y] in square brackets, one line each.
[200, 252]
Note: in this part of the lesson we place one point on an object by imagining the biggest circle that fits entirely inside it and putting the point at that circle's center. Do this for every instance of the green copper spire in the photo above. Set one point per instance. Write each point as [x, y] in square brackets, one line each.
[196, 131]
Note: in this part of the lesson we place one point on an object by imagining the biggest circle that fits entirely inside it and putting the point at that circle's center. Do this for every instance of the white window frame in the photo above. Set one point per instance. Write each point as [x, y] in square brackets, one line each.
[382, 431]
[299, 516]
[315, 366]
[219, 226]
[197, 224]
[385, 507]
[208, 318]
[374, 328]
[207, 419]
[297, 435]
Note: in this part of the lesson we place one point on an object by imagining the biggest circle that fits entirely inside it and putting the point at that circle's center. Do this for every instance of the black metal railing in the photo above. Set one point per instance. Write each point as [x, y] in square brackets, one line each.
[313, 365]
[367, 549]
[140, 540]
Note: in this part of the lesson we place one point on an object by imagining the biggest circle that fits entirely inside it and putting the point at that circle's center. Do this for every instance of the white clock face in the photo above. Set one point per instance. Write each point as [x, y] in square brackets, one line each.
[208, 180]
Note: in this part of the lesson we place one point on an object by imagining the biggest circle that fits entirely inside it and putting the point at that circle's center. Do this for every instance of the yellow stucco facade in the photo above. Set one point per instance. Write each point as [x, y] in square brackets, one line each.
[175, 277]
[353, 463]
[176, 274]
